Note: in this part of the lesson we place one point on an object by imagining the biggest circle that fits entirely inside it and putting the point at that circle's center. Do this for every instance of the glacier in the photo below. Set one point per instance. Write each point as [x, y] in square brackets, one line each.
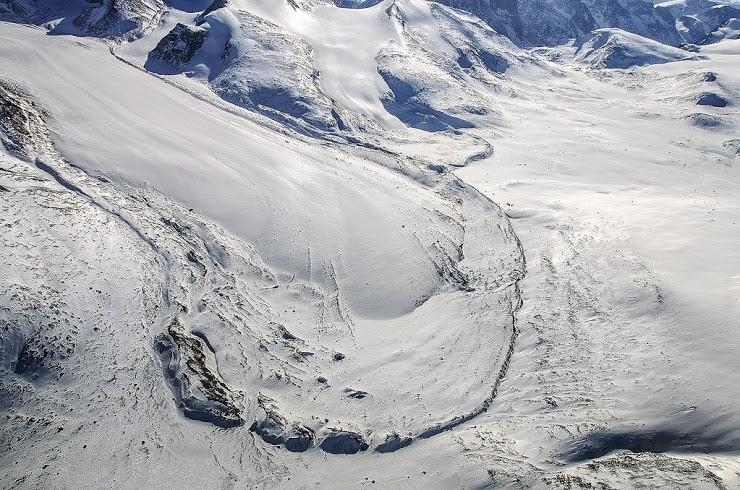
[400, 243]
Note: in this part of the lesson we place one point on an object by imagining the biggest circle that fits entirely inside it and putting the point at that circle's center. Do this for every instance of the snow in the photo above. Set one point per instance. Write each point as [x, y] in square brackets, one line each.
[620, 177]
[614, 48]
[542, 289]
[203, 161]
[345, 43]
[363, 259]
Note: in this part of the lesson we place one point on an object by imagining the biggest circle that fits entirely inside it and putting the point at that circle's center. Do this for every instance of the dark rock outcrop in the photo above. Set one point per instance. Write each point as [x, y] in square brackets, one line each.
[393, 442]
[274, 429]
[343, 442]
[199, 392]
[180, 45]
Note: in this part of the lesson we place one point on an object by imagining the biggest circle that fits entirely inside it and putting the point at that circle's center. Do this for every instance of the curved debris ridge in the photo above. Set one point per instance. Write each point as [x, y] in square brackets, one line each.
[320, 334]
[393, 442]
[242, 251]
[274, 429]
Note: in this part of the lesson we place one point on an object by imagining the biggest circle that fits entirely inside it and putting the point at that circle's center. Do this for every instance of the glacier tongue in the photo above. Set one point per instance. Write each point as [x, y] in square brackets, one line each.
[387, 279]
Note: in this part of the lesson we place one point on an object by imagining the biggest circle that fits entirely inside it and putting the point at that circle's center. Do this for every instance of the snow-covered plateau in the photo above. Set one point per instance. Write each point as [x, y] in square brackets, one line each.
[362, 243]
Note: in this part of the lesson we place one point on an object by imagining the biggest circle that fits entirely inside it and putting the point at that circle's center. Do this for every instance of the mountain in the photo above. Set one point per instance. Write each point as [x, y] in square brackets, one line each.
[114, 18]
[530, 23]
[267, 62]
[398, 243]
[614, 48]
[551, 22]
[696, 20]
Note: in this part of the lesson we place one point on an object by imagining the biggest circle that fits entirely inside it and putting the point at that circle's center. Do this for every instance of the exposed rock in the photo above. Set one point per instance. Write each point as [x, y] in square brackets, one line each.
[343, 442]
[180, 45]
[552, 22]
[711, 99]
[356, 394]
[15, 8]
[700, 21]
[393, 442]
[705, 121]
[274, 429]
[22, 128]
[728, 30]
[733, 145]
[199, 392]
[116, 18]
[217, 4]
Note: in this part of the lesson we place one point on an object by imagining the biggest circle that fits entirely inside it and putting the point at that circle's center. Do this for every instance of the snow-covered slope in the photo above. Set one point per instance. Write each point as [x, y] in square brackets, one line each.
[114, 18]
[548, 22]
[347, 256]
[315, 70]
[277, 244]
[697, 20]
[614, 48]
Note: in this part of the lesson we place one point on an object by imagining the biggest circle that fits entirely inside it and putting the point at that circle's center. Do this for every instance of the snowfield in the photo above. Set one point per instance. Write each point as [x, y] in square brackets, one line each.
[286, 244]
